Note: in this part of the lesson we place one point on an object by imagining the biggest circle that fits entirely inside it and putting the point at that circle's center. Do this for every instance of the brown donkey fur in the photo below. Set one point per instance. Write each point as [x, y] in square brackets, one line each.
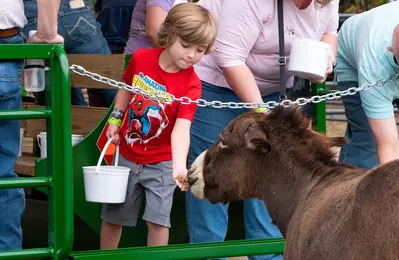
[326, 210]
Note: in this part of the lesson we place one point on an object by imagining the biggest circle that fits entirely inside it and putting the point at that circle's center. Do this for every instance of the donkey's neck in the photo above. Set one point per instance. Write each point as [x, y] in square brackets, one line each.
[287, 182]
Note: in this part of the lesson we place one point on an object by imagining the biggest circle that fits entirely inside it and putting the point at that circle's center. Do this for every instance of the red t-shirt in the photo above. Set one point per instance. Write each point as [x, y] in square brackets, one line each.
[147, 126]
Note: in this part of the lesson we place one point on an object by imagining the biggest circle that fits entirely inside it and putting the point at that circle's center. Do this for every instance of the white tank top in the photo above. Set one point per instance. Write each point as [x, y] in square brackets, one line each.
[12, 14]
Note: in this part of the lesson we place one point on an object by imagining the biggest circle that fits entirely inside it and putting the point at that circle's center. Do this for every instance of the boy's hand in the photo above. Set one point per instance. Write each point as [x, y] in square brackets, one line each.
[112, 133]
[180, 177]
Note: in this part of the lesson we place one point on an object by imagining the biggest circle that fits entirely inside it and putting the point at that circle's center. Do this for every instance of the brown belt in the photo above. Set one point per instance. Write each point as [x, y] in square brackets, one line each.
[9, 32]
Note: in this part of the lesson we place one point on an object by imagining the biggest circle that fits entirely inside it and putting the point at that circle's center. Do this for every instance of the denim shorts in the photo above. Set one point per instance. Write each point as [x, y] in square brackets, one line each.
[157, 182]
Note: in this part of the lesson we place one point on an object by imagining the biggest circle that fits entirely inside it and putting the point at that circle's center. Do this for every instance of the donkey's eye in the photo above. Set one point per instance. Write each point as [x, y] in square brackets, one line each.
[222, 143]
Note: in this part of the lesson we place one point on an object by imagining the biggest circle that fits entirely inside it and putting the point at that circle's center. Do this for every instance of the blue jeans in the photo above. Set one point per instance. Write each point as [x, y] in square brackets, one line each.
[361, 149]
[207, 222]
[82, 35]
[12, 201]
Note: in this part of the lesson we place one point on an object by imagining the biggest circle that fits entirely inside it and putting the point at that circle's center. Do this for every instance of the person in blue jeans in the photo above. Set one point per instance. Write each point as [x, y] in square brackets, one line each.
[82, 35]
[244, 68]
[115, 17]
[12, 201]
[258, 223]
[368, 51]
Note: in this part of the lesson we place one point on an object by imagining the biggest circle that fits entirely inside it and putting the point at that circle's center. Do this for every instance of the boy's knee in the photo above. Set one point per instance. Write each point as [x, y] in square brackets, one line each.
[111, 225]
[155, 227]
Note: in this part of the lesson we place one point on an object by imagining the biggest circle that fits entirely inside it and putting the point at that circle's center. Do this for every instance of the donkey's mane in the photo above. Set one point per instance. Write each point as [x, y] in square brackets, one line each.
[290, 127]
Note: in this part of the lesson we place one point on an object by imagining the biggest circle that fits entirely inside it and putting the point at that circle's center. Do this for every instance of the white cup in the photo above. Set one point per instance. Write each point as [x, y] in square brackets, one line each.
[42, 142]
[21, 141]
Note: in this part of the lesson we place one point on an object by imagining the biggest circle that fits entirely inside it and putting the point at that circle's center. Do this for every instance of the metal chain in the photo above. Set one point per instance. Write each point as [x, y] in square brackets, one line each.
[168, 98]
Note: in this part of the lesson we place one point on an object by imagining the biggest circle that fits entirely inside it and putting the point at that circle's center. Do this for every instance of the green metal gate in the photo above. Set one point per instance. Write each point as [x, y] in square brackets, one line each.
[59, 147]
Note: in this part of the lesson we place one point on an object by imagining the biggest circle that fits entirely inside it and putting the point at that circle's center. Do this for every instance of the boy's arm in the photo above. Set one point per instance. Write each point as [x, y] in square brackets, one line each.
[122, 99]
[180, 144]
[123, 96]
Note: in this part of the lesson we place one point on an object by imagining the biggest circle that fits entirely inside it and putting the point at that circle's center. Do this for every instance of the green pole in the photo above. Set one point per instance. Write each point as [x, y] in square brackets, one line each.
[319, 120]
[59, 145]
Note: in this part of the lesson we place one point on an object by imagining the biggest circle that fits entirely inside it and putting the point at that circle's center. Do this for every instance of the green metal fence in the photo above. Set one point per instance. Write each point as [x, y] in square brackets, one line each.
[59, 147]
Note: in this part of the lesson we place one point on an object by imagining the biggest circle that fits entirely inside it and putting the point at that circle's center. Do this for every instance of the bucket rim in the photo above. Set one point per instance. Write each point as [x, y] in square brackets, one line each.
[107, 168]
[309, 41]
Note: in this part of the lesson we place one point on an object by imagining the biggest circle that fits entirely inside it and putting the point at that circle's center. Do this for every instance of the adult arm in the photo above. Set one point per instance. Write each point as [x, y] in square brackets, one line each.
[154, 18]
[386, 138]
[330, 37]
[242, 82]
[330, 34]
[47, 25]
[239, 27]
[377, 105]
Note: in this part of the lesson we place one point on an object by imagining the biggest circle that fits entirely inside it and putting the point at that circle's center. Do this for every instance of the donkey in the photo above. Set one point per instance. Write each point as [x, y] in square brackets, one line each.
[326, 210]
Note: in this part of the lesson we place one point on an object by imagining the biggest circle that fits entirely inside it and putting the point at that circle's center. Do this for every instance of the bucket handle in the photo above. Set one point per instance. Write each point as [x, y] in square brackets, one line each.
[116, 157]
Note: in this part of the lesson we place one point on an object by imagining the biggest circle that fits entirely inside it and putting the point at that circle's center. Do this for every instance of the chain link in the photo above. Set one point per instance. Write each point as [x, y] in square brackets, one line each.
[168, 98]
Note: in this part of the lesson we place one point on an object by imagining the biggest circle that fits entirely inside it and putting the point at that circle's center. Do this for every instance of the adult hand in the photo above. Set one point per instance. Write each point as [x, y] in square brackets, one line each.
[330, 69]
[37, 38]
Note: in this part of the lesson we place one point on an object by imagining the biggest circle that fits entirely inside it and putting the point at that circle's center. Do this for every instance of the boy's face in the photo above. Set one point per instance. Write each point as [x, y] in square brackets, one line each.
[186, 54]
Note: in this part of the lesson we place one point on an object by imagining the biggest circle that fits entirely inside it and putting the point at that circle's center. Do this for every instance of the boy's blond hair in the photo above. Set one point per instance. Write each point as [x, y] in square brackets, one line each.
[192, 23]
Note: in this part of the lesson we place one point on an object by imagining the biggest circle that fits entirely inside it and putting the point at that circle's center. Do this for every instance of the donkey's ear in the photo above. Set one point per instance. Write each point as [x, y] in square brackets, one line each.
[255, 139]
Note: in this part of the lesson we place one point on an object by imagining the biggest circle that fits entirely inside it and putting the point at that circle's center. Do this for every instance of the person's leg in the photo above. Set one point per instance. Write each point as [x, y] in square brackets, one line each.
[157, 235]
[101, 97]
[82, 35]
[360, 149]
[12, 201]
[110, 235]
[207, 222]
[157, 179]
[114, 216]
[88, 40]
[77, 98]
[258, 223]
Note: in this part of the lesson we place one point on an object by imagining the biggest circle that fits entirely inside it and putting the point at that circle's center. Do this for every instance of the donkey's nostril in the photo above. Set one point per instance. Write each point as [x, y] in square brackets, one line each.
[192, 180]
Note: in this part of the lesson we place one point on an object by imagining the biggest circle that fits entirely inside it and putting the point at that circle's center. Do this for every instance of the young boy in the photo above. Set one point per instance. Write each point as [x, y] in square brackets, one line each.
[154, 136]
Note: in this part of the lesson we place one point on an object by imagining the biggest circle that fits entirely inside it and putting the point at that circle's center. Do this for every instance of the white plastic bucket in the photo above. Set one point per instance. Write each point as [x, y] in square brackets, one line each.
[309, 58]
[21, 141]
[42, 142]
[106, 184]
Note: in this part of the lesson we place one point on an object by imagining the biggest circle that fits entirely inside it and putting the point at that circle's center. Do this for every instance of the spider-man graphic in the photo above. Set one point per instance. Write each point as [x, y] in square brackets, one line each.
[145, 120]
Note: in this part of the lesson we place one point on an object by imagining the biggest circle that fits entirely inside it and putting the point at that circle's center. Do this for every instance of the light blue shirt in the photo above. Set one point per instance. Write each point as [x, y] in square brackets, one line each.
[363, 57]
